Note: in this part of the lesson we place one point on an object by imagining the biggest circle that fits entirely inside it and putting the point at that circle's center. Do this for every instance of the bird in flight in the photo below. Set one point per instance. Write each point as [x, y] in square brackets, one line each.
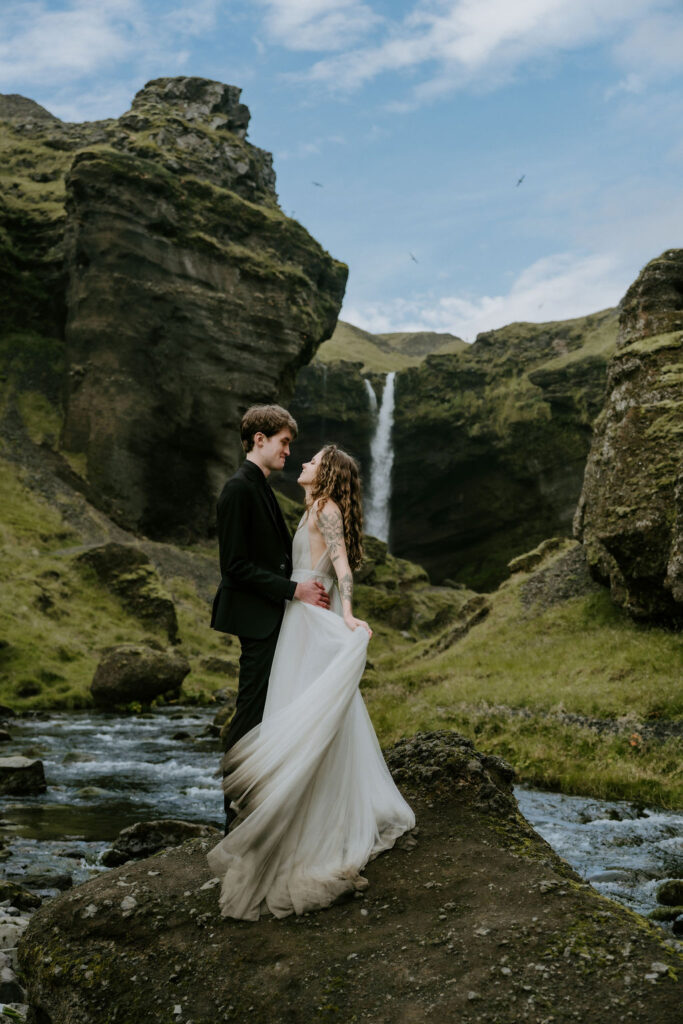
[413, 258]
[520, 180]
[318, 184]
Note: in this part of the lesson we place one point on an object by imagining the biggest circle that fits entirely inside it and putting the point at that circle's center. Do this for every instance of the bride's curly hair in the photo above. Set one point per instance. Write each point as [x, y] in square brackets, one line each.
[338, 478]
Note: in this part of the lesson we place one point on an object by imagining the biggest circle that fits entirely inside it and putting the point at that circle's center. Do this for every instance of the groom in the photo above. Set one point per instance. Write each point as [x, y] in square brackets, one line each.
[255, 551]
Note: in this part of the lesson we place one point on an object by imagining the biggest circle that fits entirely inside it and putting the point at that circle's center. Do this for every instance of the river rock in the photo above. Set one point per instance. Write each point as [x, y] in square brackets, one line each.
[434, 924]
[630, 515]
[134, 672]
[5, 736]
[11, 929]
[666, 913]
[147, 837]
[21, 776]
[21, 898]
[670, 893]
[128, 572]
[10, 989]
[48, 879]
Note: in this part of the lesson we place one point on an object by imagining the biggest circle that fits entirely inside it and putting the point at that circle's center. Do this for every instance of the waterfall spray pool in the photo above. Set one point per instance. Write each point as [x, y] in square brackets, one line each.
[377, 503]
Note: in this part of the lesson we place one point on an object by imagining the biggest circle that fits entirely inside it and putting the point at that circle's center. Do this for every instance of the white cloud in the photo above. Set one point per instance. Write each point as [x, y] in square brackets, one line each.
[311, 147]
[557, 287]
[458, 42]
[318, 24]
[43, 45]
[48, 46]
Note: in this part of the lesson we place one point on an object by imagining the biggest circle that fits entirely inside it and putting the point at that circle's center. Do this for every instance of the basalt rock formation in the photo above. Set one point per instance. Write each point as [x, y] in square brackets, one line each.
[155, 291]
[630, 516]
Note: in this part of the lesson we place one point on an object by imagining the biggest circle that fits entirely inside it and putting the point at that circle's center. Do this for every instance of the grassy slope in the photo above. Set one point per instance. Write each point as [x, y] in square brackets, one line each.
[582, 657]
[380, 353]
[55, 617]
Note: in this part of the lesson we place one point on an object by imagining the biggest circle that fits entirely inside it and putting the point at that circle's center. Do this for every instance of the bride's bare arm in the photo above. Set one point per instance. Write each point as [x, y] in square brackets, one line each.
[331, 526]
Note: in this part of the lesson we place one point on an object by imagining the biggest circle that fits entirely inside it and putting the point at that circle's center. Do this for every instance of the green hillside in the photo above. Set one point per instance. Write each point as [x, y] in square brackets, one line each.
[381, 353]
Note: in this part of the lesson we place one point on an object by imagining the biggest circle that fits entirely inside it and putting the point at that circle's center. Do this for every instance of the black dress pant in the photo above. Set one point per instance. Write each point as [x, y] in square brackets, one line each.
[256, 660]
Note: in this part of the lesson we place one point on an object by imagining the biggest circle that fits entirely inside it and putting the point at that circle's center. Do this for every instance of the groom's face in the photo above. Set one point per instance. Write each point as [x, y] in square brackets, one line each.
[274, 450]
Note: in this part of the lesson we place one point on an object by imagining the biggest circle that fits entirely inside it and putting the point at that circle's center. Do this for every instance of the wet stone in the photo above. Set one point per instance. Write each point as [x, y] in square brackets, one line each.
[21, 776]
[671, 892]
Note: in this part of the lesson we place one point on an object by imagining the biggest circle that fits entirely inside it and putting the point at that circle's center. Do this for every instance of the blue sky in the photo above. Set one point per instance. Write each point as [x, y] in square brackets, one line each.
[418, 117]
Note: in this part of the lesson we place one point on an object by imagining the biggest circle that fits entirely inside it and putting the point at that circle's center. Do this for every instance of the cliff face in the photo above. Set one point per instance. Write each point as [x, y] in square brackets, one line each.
[630, 516]
[173, 292]
[491, 445]
[330, 403]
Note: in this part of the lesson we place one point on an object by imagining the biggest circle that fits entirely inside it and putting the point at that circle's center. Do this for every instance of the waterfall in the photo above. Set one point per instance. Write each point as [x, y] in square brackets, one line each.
[377, 502]
[372, 397]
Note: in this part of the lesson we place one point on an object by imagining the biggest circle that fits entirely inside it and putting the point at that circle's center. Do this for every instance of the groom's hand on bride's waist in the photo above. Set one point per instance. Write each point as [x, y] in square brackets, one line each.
[312, 592]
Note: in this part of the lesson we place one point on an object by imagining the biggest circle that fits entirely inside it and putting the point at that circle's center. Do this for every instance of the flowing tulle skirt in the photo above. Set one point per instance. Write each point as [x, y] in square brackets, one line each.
[315, 799]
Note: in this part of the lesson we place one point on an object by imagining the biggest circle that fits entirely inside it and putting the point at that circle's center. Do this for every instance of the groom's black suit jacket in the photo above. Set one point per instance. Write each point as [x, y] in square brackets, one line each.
[255, 551]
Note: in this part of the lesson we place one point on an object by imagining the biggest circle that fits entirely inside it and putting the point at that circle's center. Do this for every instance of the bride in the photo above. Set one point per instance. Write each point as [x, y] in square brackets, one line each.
[314, 799]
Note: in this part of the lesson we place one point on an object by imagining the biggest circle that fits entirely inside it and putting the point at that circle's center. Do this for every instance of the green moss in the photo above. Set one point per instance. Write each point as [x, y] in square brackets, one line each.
[43, 422]
[655, 343]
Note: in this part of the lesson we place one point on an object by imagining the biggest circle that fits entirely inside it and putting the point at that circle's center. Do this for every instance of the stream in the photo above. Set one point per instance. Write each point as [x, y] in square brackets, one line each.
[106, 771]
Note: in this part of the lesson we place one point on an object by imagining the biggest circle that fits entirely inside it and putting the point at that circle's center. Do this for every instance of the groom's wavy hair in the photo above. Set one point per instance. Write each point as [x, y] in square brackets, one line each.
[338, 478]
[265, 419]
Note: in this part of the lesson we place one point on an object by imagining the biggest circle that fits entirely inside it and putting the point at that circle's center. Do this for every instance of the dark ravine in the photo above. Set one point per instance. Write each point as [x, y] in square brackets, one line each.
[473, 918]
[157, 290]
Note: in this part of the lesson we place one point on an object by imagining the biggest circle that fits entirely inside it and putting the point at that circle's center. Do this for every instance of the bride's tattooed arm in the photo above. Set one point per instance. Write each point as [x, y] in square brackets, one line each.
[331, 526]
[346, 587]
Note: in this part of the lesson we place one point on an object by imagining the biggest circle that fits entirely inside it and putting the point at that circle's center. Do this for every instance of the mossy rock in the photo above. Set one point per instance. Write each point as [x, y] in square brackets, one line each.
[671, 892]
[128, 572]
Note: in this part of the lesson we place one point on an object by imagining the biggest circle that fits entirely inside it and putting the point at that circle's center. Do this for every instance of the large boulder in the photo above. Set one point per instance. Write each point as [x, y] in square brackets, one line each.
[630, 516]
[135, 672]
[147, 837]
[127, 571]
[21, 776]
[473, 918]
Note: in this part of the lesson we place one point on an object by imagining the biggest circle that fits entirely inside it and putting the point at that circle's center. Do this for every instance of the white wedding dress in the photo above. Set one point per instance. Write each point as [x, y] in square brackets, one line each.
[315, 799]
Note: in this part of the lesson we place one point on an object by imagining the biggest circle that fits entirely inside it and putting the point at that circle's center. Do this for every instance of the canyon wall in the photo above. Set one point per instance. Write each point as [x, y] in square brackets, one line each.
[630, 516]
[157, 291]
